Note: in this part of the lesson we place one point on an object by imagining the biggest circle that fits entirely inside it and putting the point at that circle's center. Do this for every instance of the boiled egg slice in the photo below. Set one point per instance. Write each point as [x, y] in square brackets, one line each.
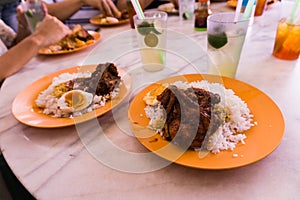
[108, 20]
[150, 98]
[75, 100]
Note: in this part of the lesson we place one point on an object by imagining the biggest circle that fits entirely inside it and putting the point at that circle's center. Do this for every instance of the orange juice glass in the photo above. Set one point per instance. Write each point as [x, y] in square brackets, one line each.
[287, 42]
[260, 7]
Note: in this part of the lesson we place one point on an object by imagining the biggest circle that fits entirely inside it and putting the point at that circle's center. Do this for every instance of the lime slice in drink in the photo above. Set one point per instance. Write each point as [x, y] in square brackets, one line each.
[151, 40]
[157, 27]
[29, 13]
[144, 28]
[217, 40]
[186, 16]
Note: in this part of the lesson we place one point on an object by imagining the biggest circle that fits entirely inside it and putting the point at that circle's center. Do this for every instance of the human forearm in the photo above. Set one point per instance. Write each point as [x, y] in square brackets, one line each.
[48, 32]
[122, 4]
[64, 9]
[145, 3]
[25, 50]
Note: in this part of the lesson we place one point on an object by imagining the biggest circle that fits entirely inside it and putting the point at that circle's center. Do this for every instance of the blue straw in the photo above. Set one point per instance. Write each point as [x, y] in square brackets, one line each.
[248, 9]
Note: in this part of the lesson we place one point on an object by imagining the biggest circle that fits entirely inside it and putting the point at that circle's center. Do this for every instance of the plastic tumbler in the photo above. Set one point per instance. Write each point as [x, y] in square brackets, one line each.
[34, 13]
[186, 9]
[151, 36]
[260, 7]
[225, 40]
[287, 41]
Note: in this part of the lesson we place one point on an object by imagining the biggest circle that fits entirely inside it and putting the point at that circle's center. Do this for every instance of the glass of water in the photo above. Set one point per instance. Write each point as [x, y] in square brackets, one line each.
[186, 9]
[225, 40]
[34, 13]
[151, 36]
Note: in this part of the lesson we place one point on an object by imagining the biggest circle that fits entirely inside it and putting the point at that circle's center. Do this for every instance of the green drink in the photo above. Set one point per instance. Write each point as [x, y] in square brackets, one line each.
[34, 13]
[225, 40]
[151, 35]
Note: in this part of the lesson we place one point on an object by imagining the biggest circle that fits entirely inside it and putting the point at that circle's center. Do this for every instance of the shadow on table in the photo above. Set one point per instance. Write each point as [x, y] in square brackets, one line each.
[15, 188]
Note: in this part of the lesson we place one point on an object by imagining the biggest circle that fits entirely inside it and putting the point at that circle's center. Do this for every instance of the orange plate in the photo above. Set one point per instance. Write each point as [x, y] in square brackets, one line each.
[26, 111]
[261, 139]
[232, 3]
[96, 35]
[96, 21]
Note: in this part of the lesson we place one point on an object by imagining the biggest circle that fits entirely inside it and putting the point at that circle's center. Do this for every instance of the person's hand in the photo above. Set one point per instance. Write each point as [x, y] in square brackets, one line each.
[175, 2]
[51, 30]
[23, 28]
[107, 7]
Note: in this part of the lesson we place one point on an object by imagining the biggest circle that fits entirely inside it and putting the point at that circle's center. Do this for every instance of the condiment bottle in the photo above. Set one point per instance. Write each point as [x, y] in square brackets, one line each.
[202, 11]
[131, 12]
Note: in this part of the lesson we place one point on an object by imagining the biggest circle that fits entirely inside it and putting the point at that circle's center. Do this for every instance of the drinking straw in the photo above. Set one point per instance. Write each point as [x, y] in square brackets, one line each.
[139, 12]
[238, 10]
[248, 9]
[138, 9]
[294, 11]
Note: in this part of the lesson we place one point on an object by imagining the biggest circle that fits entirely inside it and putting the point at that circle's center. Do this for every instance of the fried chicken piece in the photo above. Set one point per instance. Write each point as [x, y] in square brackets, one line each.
[190, 115]
[102, 81]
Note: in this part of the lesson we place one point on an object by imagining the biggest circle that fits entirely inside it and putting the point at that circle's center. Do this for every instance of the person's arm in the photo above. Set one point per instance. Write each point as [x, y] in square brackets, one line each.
[25, 50]
[65, 9]
[48, 32]
[122, 4]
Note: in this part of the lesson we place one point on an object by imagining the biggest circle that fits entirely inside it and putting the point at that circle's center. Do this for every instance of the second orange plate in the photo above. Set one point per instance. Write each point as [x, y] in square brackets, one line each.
[46, 51]
[27, 112]
[97, 21]
[261, 140]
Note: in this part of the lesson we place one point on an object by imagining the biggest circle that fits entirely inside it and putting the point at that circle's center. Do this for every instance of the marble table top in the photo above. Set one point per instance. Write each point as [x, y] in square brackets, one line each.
[58, 164]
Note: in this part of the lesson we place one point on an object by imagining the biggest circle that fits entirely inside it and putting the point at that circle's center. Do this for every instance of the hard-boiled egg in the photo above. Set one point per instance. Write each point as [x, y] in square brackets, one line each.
[74, 100]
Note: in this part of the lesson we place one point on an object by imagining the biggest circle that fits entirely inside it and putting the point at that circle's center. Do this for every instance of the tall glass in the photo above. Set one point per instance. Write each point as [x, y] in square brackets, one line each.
[225, 42]
[34, 13]
[186, 9]
[151, 35]
[287, 41]
[260, 7]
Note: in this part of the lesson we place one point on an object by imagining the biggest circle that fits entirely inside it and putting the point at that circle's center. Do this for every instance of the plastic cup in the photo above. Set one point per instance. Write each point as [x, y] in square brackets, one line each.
[151, 35]
[131, 11]
[260, 7]
[34, 13]
[186, 9]
[225, 40]
[287, 41]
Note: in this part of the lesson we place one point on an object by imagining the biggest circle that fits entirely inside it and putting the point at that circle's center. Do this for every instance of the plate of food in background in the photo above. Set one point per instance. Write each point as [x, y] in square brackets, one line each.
[206, 121]
[168, 8]
[232, 3]
[109, 20]
[71, 96]
[78, 40]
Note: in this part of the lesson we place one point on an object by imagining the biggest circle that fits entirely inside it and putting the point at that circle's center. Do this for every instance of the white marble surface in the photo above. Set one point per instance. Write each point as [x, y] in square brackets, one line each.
[55, 163]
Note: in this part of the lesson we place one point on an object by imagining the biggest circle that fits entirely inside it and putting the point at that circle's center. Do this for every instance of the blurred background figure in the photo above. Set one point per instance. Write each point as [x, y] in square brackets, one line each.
[8, 13]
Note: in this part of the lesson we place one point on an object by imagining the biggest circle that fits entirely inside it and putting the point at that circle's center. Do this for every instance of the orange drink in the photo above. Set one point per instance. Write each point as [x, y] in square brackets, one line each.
[260, 7]
[287, 42]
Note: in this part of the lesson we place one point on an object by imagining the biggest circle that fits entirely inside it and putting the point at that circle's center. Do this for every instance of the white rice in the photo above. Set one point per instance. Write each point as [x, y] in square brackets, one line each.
[49, 102]
[230, 132]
